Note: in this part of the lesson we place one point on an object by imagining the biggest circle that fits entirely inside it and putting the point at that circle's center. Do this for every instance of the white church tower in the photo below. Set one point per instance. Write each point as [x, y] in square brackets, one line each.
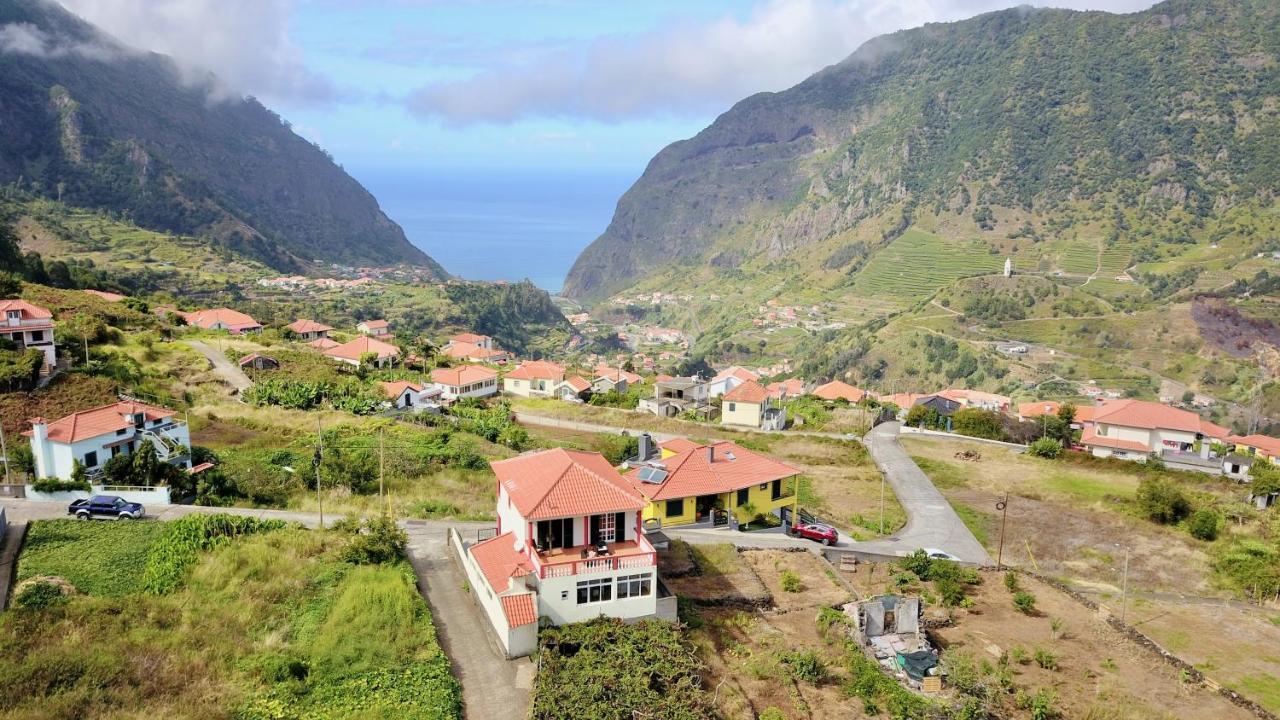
[1008, 267]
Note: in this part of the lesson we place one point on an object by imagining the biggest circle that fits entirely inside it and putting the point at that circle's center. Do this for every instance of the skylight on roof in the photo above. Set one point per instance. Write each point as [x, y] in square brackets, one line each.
[729, 455]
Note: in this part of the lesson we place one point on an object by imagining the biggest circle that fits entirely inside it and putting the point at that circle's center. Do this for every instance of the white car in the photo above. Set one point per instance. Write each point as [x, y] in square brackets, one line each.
[936, 554]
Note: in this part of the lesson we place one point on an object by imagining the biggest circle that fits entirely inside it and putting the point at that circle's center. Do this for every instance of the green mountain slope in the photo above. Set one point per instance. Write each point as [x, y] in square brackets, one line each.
[94, 124]
[997, 124]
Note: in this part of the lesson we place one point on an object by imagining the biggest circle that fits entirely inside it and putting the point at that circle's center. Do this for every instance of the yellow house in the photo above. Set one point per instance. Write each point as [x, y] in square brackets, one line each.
[750, 405]
[1260, 446]
[685, 487]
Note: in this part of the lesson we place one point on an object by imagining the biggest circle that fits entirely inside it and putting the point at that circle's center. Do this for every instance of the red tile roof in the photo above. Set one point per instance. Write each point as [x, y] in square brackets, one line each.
[564, 483]
[307, 326]
[356, 349]
[472, 338]
[471, 351]
[102, 420]
[1090, 437]
[690, 473]
[232, 319]
[976, 397]
[519, 609]
[108, 296]
[736, 371]
[793, 387]
[679, 445]
[748, 392]
[395, 389]
[375, 324]
[578, 383]
[836, 390]
[27, 310]
[1152, 415]
[537, 370]
[324, 343]
[1036, 409]
[499, 561]
[614, 374]
[462, 375]
[254, 356]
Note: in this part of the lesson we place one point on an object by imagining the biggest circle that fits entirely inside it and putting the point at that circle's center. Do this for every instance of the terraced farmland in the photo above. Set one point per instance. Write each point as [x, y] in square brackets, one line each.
[919, 263]
[1079, 258]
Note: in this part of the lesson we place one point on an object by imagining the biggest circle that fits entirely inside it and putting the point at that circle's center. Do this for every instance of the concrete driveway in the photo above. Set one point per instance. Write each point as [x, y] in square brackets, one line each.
[931, 522]
[225, 369]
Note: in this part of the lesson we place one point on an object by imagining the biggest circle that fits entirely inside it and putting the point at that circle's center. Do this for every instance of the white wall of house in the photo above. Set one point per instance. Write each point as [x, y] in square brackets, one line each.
[740, 413]
[484, 388]
[150, 496]
[516, 642]
[57, 459]
[41, 340]
[716, 388]
[558, 597]
[528, 388]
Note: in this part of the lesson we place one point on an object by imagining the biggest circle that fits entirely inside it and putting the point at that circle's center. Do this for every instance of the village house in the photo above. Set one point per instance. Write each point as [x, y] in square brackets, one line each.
[324, 343]
[534, 378]
[354, 351]
[575, 388]
[750, 405]
[465, 381]
[29, 327]
[91, 437]
[569, 547]
[979, 399]
[308, 330]
[406, 395]
[790, 388]
[902, 401]
[374, 328]
[1138, 429]
[608, 378]
[839, 390]
[233, 321]
[1038, 409]
[675, 395]
[944, 406]
[256, 361]
[723, 478]
[1258, 446]
[481, 341]
[474, 353]
[728, 379]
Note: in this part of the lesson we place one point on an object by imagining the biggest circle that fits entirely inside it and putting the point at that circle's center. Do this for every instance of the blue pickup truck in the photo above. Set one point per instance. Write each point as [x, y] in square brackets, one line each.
[105, 506]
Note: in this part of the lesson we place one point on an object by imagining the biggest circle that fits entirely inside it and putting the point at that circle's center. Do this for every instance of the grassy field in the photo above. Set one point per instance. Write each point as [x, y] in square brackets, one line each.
[918, 263]
[269, 626]
[98, 558]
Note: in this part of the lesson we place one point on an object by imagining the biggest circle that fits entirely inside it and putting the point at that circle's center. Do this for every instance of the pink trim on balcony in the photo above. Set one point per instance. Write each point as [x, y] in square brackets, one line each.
[565, 562]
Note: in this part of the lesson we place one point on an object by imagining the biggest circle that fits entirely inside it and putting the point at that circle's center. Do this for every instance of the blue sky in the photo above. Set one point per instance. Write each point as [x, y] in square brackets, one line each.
[499, 83]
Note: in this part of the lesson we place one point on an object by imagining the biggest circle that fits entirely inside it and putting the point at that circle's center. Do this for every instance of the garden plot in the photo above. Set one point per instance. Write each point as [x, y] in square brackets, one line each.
[796, 579]
[725, 578]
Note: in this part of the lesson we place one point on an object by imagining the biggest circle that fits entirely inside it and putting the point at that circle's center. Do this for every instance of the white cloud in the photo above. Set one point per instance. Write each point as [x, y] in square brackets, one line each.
[684, 68]
[27, 39]
[244, 42]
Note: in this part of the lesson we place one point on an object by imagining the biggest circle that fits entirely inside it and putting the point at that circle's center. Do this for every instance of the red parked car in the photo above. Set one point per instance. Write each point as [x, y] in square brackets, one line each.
[817, 532]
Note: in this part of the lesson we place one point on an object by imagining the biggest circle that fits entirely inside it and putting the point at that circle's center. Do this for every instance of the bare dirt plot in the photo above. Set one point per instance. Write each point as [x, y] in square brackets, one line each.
[1093, 670]
[840, 484]
[1238, 647]
[818, 586]
[725, 579]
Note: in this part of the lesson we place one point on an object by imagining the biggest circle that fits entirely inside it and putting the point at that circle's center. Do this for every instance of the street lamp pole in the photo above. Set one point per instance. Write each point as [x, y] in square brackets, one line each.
[315, 464]
[1124, 587]
[1003, 507]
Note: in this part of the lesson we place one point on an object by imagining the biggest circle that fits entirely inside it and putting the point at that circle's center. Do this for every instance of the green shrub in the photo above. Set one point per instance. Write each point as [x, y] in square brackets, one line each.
[951, 592]
[1161, 501]
[771, 713]
[1011, 581]
[1046, 659]
[182, 540]
[1025, 602]
[98, 558]
[379, 541]
[791, 582]
[805, 665]
[40, 595]
[51, 485]
[1045, 447]
[1204, 523]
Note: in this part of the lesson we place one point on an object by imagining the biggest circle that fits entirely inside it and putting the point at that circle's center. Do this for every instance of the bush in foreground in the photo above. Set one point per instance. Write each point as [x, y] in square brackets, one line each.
[1045, 447]
[1204, 524]
[1161, 501]
[1024, 602]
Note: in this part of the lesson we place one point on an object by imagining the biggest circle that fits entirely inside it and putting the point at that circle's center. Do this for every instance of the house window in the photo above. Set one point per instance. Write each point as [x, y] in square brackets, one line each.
[764, 486]
[606, 528]
[743, 496]
[91, 459]
[37, 336]
[594, 591]
[675, 508]
[777, 489]
[634, 585]
[14, 314]
[556, 533]
[733, 407]
[515, 383]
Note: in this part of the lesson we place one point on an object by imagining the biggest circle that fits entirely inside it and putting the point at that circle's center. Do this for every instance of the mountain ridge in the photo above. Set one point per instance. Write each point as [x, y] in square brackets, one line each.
[1023, 108]
[96, 124]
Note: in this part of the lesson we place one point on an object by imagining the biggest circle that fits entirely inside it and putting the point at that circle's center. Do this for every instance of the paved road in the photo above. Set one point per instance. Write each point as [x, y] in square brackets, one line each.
[931, 522]
[492, 686]
[225, 369]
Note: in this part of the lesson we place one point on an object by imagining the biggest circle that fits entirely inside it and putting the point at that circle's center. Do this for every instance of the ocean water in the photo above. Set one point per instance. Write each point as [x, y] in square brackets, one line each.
[500, 224]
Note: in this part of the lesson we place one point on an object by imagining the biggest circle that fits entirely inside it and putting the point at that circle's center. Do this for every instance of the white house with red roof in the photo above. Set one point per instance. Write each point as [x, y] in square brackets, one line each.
[309, 330]
[751, 405]
[534, 378]
[728, 379]
[569, 547]
[374, 328]
[575, 388]
[693, 483]
[839, 390]
[30, 327]
[1137, 429]
[407, 395]
[978, 399]
[96, 435]
[233, 321]
[465, 381]
[611, 378]
[351, 352]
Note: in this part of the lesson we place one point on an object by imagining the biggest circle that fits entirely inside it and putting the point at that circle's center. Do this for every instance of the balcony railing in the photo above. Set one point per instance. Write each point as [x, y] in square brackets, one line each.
[566, 562]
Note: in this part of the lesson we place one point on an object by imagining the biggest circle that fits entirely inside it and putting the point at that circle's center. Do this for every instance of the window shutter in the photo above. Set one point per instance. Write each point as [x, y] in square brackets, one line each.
[620, 525]
[595, 529]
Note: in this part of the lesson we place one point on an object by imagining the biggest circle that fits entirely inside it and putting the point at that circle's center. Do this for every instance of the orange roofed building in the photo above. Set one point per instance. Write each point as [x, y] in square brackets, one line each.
[569, 547]
[839, 390]
[30, 327]
[233, 321]
[465, 381]
[534, 378]
[351, 352]
[309, 330]
[1137, 429]
[92, 437]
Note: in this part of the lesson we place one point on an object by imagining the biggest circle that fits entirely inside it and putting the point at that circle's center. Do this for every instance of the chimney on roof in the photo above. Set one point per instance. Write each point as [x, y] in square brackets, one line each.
[40, 447]
[711, 453]
[646, 446]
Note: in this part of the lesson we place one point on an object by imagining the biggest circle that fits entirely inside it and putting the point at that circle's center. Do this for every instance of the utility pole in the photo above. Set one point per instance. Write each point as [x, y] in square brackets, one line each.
[315, 465]
[1003, 507]
[382, 465]
[882, 503]
[1124, 587]
[4, 451]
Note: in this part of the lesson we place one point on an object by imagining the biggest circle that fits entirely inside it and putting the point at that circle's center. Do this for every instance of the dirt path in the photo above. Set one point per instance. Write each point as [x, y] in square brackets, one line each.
[233, 375]
[492, 686]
